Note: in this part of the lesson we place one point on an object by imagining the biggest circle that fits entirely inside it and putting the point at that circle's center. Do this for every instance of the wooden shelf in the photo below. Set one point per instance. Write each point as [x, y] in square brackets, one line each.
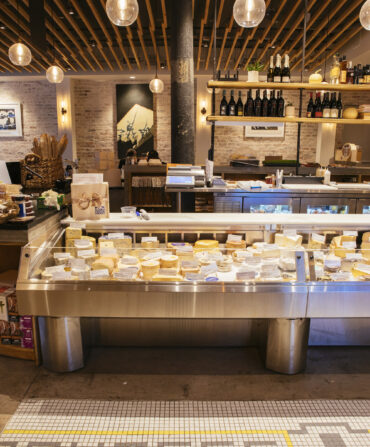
[242, 85]
[17, 352]
[243, 120]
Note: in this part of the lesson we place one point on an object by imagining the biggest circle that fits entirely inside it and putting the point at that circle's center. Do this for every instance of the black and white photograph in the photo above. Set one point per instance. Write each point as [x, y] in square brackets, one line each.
[10, 120]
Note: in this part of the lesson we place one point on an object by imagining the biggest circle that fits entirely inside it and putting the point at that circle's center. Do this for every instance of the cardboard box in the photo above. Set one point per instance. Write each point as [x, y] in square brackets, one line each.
[90, 201]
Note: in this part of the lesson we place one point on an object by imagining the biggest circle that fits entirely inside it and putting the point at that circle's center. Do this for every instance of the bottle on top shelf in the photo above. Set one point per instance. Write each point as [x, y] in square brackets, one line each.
[231, 107]
[343, 70]
[270, 72]
[277, 69]
[280, 104]
[258, 104]
[249, 105]
[318, 106]
[335, 70]
[285, 74]
[265, 104]
[240, 106]
[223, 105]
[350, 73]
[310, 107]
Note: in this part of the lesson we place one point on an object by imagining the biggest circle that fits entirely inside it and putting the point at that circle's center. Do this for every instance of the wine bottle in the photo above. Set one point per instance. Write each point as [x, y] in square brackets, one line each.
[326, 106]
[273, 102]
[280, 104]
[249, 105]
[333, 106]
[310, 107]
[277, 69]
[350, 73]
[239, 106]
[318, 106]
[270, 73]
[285, 74]
[340, 105]
[343, 70]
[223, 105]
[361, 78]
[265, 104]
[258, 104]
[231, 107]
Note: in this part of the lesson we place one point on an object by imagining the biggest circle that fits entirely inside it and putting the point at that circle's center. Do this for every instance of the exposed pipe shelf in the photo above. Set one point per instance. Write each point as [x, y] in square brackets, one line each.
[242, 85]
[244, 120]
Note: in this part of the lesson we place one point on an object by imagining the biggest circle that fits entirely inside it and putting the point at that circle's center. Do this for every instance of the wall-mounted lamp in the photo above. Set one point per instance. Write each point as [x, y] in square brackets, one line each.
[203, 111]
[63, 111]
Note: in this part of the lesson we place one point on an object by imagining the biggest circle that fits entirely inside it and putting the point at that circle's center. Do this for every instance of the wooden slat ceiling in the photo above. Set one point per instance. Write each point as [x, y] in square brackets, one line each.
[86, 41]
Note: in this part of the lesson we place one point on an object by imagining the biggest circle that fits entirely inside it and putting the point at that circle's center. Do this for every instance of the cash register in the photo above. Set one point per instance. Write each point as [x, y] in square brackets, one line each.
[185, 176]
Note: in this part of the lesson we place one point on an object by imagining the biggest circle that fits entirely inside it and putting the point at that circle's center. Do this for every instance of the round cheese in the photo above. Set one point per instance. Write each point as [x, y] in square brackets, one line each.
[169, 261]
[150, 268]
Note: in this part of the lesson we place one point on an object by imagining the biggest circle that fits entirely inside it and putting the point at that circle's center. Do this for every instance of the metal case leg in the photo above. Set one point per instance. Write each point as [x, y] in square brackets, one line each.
[61, 343]
[287, 341]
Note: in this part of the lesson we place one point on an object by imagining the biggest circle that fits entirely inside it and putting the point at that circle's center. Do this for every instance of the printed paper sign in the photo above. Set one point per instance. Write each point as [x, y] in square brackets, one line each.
[318, 238]
[99, 273]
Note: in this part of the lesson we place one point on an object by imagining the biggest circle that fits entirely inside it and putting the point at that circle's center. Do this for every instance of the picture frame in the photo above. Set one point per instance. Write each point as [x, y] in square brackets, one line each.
[10, 120]
[267, 130]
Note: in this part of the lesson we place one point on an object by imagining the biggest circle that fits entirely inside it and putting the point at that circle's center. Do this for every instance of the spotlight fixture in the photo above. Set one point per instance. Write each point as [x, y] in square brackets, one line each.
[92, 43]
[249, 13]
[2, 26]
[365, 15]
[122, 12]
[163, 66]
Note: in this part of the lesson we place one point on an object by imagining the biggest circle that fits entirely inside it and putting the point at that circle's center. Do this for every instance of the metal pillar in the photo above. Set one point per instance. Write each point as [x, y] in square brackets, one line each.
[182, 83]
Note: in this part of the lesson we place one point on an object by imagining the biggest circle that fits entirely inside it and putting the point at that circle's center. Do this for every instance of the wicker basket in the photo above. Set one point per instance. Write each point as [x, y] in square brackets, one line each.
[50, 170]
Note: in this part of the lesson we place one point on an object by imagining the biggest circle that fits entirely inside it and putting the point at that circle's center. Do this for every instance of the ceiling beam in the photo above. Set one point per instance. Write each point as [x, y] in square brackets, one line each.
[203, 22]
[218, 20]
[152, 30]
[140, 33]
[238, 33]
[226, 33]
[164, 33]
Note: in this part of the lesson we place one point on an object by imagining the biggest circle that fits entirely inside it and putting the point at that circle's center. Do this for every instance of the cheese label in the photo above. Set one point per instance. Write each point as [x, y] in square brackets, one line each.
[289, 232]
[194, 277]
[185, 249]
[80, 243]
[350, 233]
[108, 251]
[86, 253]
[208, 269]
[167, 272]
[77, 225]
[115, 236]
[155, 255]
[149, 239]
[234, 238]
[58, 276]
[245, 275]
[126, 274]
[349, 244]
[189, 264]
[55, 268]
[354, 256]
[78, 264]
[99, 273]
[320, 238]
[61, 255]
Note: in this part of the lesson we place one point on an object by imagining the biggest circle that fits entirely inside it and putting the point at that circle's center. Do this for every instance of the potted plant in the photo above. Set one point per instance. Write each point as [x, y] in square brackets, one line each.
[253, 71]
[290, 110]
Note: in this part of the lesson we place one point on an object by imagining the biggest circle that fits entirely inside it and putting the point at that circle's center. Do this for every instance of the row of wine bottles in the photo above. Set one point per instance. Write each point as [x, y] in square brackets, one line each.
[328, 107]
[273, 106]
[277, 74]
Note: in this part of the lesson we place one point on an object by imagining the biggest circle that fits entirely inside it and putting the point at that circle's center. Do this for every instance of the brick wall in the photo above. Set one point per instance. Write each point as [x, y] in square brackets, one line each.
[95, 120]
[38, 105]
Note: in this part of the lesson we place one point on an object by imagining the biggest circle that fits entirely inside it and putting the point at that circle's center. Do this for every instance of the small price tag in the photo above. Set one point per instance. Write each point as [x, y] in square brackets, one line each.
[320, 238]
[55, 268]
[208, 269]
[115, 236]
[350, 233]
[149, 239]
[86, 253]
[59, 276]
[62, 255]
[78, 225]
[185, 249]
[108, 252]
[349, 244]
[189, 264]
[194, 277]
[99, 273]
[78, 264]
[155, 255]
[234, 238]
[125, 275]
[353, 256]
[81, 243]
[245, 275]
[290, 232]
[167, 272]
[100, 210]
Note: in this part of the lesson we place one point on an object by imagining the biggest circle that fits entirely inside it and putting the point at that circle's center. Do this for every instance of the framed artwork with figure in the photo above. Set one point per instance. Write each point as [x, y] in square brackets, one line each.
[10, 120]
[135, 119]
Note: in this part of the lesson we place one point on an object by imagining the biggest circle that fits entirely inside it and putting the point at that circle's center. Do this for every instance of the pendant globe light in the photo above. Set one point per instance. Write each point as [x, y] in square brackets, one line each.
[19, 53]
[156, 85]
[54, 74]
[365, 15]
[249, 13]
[122, 12]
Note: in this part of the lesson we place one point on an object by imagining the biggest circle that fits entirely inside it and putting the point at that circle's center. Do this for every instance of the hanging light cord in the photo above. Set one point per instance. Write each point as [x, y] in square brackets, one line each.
[19, 34]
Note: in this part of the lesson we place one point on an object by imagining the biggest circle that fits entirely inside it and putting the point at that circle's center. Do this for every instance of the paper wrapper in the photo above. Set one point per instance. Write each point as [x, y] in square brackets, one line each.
[90, 201]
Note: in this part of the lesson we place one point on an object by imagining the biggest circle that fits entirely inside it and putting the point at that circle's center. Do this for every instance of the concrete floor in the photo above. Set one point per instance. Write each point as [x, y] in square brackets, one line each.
[193, 373]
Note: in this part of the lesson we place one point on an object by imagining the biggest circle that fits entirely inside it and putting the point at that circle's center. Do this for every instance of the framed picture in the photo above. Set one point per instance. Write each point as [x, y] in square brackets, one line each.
[273, 130]
[135, 119]
[10, 120]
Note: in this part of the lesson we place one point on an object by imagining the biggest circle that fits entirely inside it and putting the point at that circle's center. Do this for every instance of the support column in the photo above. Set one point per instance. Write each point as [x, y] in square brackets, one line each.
[182, 83]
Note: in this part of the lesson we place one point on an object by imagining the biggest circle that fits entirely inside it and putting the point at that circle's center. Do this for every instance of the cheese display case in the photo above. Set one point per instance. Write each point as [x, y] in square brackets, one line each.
[202, 266]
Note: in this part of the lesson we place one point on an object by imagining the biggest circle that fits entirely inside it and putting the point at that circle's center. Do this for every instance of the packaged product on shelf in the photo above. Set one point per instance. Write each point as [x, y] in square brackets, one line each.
[90, 197]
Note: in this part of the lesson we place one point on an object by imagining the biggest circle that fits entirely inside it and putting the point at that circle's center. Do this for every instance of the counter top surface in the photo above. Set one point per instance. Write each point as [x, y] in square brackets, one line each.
[288, 188]
[40, 216]
[182, 221]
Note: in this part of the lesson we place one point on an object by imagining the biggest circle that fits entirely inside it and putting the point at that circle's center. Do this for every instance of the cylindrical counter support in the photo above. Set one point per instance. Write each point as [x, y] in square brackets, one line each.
[287, 341]
[61, 343]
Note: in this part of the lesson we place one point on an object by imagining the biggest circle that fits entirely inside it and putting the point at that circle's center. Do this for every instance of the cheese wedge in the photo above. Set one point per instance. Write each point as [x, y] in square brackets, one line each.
[361, 270]
[73, 233]
[103, 263]
[285, 241]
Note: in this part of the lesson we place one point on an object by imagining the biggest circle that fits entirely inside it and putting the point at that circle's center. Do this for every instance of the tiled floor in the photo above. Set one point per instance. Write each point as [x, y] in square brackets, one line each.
[82, 423]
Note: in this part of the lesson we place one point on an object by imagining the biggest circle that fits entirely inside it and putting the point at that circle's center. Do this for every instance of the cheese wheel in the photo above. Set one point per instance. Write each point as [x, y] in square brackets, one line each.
[150, 268]
[150, 244]
[103, 263]
[129, 260]
[365, 250]
[224, 264]
[174, 246]
[185, 255]
[240, 255]
[206, 245]
[169, 261]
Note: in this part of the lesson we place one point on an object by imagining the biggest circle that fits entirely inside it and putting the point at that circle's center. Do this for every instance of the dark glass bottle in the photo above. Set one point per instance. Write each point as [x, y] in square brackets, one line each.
[270, 73]
[231, 107]
[277, 69]
[340, 105]
[361, 78]
[318, 106]
[239, 106]
[333, 106]
[249, 105]
[258, 104]
[280, 105]
[285, 74]
[265, 104]
[223, 105]
[350, 73]
[326, 106]
[273, 102]
[310, 107]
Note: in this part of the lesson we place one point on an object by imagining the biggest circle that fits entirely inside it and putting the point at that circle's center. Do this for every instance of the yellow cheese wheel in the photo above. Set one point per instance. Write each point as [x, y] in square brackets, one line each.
[150, 268]
[206, 245]
[169, 261]
[350, 113]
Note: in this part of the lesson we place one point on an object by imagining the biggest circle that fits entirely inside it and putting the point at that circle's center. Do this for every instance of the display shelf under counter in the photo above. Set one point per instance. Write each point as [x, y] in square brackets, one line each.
[202, 267]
